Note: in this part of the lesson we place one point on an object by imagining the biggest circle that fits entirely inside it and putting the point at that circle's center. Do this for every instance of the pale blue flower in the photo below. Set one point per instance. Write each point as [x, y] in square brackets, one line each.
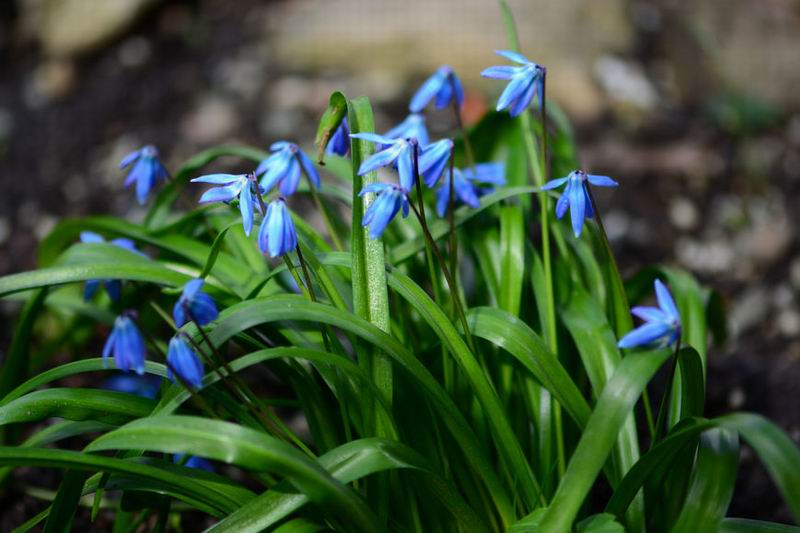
[576, 196]
[147, 170]
[439, 86]
[277, 234]
[390, 199]
[433, 160]
[284, 167]
[398, 152]
[467, 185]
[194, 305]
[182, 360]
[413, 127]
[525, 82]
[126, 345]
[662, 325]
[194, 462]
[230, 187]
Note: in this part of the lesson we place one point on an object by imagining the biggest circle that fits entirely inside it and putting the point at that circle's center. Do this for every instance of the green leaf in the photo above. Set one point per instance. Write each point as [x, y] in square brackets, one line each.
[743, 525]
[600, 523]
[713, 480]
[193, 492]
[219, 240]
[347, 463]
[329, 123]
[230, 443]
[612, 409]
[62, 511]
[16, 361]
[76, 404]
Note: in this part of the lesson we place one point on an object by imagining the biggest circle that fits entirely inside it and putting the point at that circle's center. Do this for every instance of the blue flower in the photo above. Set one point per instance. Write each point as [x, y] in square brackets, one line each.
[413, 127]
[433, 160]
[576, 196]
[283, 169]
[147, 170]
[466, 185]
[193, 462]
[145, 386]
[526, 81]
[397, 151]
[389, 200]
[440, 86]
[340, 142]
[126, 345]
[230, 187]
[277, 234]
[662, 324]
[182, 360]
[194, 305]
[113, 286]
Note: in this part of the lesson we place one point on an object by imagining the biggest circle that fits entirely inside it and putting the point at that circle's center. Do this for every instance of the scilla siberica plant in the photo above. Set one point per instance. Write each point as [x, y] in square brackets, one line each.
[474, 370]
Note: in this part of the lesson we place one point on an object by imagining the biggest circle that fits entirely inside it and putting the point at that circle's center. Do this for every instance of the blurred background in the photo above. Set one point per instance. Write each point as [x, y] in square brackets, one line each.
[692, 105]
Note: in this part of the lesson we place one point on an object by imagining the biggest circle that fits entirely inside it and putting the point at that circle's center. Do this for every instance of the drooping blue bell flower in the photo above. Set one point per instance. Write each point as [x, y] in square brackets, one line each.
[277, 234]
[340, 142]
[147, 171]
[443, 85]
[433, 160]
[662, 324]
[388, 202]
[181, 359]
[194, 305]
[113, 286]
[467, 185]
[398, 152]
[526, 81]
[231, 186]
[126, 345]
[576, 196]
[412, 127]
[284, 167]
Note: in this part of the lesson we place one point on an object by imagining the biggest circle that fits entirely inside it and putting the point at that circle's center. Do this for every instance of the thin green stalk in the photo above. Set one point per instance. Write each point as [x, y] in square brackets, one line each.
[663, 407]
[447, 363]
[321, 208]
[431, 244]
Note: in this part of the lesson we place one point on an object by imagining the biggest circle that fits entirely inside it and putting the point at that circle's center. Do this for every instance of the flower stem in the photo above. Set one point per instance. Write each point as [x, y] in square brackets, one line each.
[663, 407]
[326, 218]
[431, 243]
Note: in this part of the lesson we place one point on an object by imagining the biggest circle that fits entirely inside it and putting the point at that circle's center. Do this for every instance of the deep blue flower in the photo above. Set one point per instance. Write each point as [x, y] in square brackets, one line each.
[397, 152]
[662, 324]
[113, 286]
[230, 187]
[194, 305]
[339, 144]
[194, 462]
[433, 160]
[413, 127]
[466, 185]
[126, 345]
[526, 81]
[147, 170]
[576, 196]
[440, 86]
[277, 234]
[390, 199]
[145, 386]
[283, 169]
[182, 360]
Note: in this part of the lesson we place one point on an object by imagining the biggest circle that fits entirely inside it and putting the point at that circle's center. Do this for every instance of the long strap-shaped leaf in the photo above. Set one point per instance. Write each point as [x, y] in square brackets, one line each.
[599, 436]
[347, 463]
[252, 313]
[250, 449]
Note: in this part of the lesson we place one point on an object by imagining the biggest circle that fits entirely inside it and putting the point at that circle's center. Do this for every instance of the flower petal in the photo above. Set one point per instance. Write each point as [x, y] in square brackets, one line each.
[601, 181]
[577, 207]
[516, 57]
[217, 179]
[665, 300]
[644, 335]
[426, 92]
[554, 184]
[381, 159]
[501, 72]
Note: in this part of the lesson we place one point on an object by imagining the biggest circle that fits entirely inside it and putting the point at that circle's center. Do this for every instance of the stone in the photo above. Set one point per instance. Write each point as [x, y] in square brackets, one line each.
[134, 52]
[73, 27]
[748, 310]
[51, 81]
[212, 121]
[683, 213]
